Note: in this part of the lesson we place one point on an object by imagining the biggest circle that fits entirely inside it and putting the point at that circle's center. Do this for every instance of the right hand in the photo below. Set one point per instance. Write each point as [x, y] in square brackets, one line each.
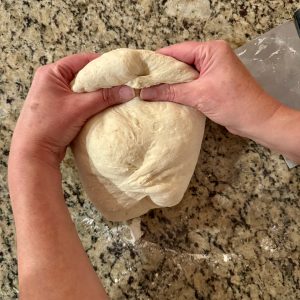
[225, 91]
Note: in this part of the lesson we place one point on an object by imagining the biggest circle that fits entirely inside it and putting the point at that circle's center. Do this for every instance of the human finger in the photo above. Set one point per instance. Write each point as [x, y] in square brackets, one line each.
[69, 66]
[89, 104]
[185, 52]
[184, 93]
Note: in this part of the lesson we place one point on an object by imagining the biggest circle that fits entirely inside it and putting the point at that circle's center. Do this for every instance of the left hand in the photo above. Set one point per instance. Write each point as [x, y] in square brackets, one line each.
[53, 115]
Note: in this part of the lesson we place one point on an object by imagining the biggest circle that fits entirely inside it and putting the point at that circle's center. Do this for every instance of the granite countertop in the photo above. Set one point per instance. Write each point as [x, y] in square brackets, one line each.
[236, 234]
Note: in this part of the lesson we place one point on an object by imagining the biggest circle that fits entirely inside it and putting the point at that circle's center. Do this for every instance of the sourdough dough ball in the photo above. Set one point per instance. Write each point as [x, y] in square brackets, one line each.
[138, 155]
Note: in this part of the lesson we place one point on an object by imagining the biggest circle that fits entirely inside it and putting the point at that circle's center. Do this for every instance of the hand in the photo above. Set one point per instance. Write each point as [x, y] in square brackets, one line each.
[53, 115]
[225, 91]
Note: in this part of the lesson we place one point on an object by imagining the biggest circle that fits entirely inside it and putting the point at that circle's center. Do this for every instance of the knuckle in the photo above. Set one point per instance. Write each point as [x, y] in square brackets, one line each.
[61, 70]
[107, 96]
[200, 105]
[42, 70]
[222, 45]
[171, 93]
[191, 44]
[58, 69]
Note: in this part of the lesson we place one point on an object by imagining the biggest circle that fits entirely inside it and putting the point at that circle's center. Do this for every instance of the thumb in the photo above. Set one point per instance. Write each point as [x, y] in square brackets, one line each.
[94, 102]
[184, 93]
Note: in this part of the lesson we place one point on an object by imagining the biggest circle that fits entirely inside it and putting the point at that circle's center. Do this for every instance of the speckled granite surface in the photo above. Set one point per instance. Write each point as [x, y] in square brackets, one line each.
[236, 234]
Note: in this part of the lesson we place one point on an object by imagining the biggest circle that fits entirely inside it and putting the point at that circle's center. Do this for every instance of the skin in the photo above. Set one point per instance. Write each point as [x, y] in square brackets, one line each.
[52, 263]
[227, 94]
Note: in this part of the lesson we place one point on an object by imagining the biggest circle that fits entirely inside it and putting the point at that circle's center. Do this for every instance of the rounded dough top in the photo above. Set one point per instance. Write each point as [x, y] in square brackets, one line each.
[135, 68]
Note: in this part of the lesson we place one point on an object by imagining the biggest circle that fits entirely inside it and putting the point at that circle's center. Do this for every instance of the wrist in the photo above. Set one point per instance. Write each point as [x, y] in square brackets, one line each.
[24, 153]
[279, 132]
[23, 160]
[254, 120]
[25, 171]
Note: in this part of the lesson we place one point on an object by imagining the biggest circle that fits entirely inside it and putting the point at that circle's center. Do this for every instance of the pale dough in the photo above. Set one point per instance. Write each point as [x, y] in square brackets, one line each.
[138, 155]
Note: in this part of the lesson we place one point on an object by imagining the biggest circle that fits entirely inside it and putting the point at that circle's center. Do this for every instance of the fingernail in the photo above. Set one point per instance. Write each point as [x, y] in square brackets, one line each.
[148, 94]
[126, 93]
